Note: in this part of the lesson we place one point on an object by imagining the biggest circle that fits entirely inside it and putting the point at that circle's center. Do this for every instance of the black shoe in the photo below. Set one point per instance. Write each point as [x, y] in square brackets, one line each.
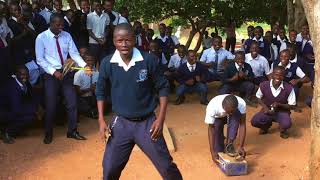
[263, 131]
[75, 135]
[48, 138]
[284, 134]
[6, 138]
[230, 150]
[179, 100]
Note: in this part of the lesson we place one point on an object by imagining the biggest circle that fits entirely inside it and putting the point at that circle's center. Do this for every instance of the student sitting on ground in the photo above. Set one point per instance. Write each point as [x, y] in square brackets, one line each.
[226, 109]
[86, 86]
[191, 77]
[238, 77]
[258, 63]
[21, 107]
[276, 98]
[175, 62]
[215, 59]
[293, 73]
[295, 57]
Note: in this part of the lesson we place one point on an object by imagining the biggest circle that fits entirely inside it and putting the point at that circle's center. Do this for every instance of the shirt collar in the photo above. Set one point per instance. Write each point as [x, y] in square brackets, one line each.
[215, 50]
[14, 18]
[281, 85]
[237, 66]
[189, 65]
[259, 40]
[95, 13]
[50, 33]
[136, 57]
[65, 18]
[251, 58]
[19, 83]
[46, 9]
[295, 59]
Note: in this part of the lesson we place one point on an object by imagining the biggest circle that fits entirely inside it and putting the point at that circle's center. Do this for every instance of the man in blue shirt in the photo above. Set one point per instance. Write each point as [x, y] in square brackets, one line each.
[134, 76]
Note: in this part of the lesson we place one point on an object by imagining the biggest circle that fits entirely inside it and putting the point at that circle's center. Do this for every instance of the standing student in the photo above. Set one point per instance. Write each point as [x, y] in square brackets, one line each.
[134, 121]
[173, 37]
[85, 87]
[57, 7]
[250, 31]
[272, 49]
[293, 73]
[258, 63]
[21, 105]
[114, 20]
[231, 40]
[215, 59]
[97, 23]
[166, 43]
[295, 57]
[68, 22]
[258, 37]
[81, 34]
[52, 49]
[276, 98]
[192, 78]
[124, 15]
[226, 109]
[206, 41]
[141, 43]
[281, 39]
[238, 77]
[292, 40]
[46, 12]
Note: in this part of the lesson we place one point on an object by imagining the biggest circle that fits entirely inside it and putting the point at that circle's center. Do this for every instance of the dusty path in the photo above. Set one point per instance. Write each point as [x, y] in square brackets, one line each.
[272, 158]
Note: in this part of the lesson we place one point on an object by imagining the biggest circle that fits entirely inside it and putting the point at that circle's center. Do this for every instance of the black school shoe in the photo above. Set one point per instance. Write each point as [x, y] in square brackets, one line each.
[230, 150]
[48, 138]
[6, 138]
[284, 134]
[179, 100]
[263, 131]
[75, 135]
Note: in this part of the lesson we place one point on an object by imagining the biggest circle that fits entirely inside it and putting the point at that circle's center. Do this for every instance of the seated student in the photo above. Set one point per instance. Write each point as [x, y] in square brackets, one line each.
[295, 57]
[231, 110]
[258, 63]
[191, 77]
[86, 86]
[238, 77]
[293, 73]
[165, 43]
[215, 59]
[175, 62]
[281, 39]
[21, 106]
[272, 54]
[276, 98]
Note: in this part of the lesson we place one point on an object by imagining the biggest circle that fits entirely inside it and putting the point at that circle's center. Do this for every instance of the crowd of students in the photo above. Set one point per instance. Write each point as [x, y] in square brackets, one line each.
[33, 51]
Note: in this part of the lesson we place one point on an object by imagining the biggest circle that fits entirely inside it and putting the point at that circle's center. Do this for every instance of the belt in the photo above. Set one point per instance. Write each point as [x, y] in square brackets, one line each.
[142, 118]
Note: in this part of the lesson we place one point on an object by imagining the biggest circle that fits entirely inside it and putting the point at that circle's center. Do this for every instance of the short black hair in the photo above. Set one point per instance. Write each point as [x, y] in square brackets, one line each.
[284, 51]
[21, 67]
[291, 45]
[277, 68]
[218, 37]
[55, 16]
[231, 101]
[126, 27]
[242, 53]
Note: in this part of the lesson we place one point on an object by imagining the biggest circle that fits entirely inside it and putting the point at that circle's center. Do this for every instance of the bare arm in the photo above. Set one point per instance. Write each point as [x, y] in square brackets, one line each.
[211, 136]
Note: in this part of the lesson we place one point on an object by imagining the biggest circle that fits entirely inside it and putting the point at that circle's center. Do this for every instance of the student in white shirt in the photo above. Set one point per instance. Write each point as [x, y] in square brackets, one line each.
[258, 63]
[52, 48]
[173, 37]
[97, 23]
[124, 15]
[206, 41]
[47, 11]
[231, 110]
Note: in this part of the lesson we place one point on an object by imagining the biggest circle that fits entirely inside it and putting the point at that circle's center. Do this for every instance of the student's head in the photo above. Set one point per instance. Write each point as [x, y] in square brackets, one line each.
[57, 4]
[217, 43]
[48, 4]
[154, 47]
[26, 15]
[230, 104]
[162, 29]
[169, 31]
[15, 10]
[284, 57]
[97, 7]
[26, 7]
[250, 30]
[278, 75]
[85, 6]
[22, 74]
[254, 49]
[24, 1]
[137, 26]
[292, 50]
[124, 38]
[282, 33]
[3, 9]
[240, 58]
[70, 15]
[150, 34]
[293, 35]
[56, 23]
[192, 57]
[82, 51]
[35, 7]
[108, 5]
[89, 58]
[124, 11]
[145, 27]
[258, 32]
[305, 30]
[181, 51]
[268, 36]
[275, 29]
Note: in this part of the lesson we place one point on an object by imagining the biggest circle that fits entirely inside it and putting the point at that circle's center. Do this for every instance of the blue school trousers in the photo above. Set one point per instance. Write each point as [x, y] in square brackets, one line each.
[197, 87]
[264, 121]
[125, 134]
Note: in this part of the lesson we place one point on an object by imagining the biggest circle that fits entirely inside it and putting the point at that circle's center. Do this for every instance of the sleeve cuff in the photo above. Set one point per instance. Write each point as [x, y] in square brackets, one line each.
[100, 98]
[82, 64]
[164, 92]
[51, 70]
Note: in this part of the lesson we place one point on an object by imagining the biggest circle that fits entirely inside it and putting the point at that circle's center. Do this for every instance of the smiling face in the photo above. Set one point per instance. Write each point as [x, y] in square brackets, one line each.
[292, 36]
[240, 59]
[284, 58]
[258, 33]
[124, 41]
[84, 5]
[277, 76]
[22, 75]
[181, 51]
[192, 57]
[254, 50]
[217, 43]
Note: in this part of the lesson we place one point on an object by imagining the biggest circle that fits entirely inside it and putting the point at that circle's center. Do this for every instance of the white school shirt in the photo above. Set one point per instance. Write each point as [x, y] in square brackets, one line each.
[208, 56]
[175, 40]
[136, 57]
[191, 67]
[47, 53]
[122, 20]
[139, 39]
[117, 19]
[299, 71]
[275, 92]
[175, 61]
[259, 65]
[84, 81]
[46, 13]
[207, 42]
[97, 24]
[299, 37]
[215, 110]
[5, 31]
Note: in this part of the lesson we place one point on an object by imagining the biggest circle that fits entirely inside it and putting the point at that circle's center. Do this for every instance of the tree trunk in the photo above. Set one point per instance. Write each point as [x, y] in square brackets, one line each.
[313, 16]
[299, 15]
[290, 10]
[190, 38]
[199, 42]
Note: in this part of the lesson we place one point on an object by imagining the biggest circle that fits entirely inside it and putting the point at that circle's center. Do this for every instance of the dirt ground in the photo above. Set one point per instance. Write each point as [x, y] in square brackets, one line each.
[270, 157]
